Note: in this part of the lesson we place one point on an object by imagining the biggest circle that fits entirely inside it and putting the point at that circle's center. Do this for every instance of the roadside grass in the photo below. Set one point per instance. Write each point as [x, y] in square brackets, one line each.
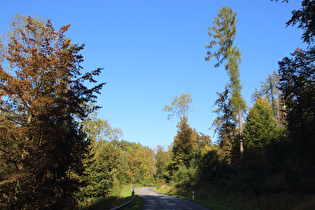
[173, 191]
[137, 203]
[118, 198]
[210, 198]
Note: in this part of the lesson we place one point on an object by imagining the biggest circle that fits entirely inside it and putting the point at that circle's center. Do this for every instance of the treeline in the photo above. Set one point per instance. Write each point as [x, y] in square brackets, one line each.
[261, 149]
[54, 151]
[112, 162]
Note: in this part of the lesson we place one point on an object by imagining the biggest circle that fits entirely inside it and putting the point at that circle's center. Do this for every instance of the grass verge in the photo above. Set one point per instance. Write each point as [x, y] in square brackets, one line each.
[121, 197]
[209, 198]
[136, 203]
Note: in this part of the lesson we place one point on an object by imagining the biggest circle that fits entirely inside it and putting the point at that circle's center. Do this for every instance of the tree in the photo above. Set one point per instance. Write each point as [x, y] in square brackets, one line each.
[297, 76]
[102, 176]
[101, 130]
[270, 91]
[162, 160]
[225, 127]
[259, 128]
[305, 18]
[43, 102]
[184, 146]
[141, 166]
[104, 166]
[222, 34]
[180, 106]
[204, 144]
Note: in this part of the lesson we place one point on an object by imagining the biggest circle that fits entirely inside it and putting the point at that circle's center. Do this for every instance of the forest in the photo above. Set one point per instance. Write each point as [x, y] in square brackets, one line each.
[57, 153]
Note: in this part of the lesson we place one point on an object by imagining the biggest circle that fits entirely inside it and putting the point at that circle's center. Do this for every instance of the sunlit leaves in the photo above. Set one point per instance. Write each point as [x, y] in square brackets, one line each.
[180, 106]
[259, 127]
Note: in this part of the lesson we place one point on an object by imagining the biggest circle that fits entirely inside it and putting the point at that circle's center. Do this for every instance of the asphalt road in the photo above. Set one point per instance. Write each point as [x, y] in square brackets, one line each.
[155, 200]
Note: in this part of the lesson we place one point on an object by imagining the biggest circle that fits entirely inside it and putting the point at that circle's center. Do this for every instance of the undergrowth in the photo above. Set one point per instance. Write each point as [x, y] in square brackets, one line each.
[212, 198]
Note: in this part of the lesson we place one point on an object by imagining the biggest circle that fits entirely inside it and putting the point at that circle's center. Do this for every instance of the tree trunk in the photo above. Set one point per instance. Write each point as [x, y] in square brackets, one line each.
[241, 136]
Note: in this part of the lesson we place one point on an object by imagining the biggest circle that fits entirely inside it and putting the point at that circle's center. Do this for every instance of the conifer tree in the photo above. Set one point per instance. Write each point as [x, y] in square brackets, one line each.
[259, 128]
[225, 126]
[185, 144]
[297, 76]
[269, 90]
[222, 48]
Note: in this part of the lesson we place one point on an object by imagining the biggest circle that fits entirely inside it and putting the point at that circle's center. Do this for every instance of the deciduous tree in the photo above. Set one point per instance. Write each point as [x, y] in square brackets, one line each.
[43, 102]
[162, 160]
[141, 166]
[180, 106]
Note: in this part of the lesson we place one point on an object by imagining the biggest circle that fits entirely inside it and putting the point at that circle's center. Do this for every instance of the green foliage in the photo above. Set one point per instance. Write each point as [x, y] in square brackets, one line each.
[305, 18]
[183, 176]
[259, 129]
[225, 127]
[297, 76]
[180, 106]
[111, 164]
[100, 130]
[141, 166]
[184, 146]
[269, 90]
[102, 175]
[162, 160]
[222, 33]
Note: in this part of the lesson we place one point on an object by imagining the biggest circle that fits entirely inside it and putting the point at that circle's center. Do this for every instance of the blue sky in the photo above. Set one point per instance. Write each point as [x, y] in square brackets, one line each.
[153, 50]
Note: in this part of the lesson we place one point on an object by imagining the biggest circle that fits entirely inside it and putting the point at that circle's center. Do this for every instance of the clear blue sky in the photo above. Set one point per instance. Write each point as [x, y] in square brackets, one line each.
[153, 50]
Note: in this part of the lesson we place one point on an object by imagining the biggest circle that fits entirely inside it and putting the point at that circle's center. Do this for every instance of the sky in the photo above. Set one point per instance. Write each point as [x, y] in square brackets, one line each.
[154, 50]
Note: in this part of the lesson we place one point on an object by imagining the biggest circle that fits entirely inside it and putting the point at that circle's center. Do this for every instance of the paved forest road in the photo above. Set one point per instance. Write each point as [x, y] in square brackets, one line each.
[155, 200]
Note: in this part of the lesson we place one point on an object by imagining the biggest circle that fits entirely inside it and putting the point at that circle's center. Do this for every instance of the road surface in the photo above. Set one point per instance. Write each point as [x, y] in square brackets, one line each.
[155, 200]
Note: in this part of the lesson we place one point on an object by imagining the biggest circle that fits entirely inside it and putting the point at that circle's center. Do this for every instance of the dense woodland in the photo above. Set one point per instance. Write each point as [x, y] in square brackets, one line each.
[56, 153]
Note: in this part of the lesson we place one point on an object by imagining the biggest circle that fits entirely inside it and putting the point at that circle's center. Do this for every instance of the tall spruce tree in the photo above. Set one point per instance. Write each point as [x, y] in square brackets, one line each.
[222, 48]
